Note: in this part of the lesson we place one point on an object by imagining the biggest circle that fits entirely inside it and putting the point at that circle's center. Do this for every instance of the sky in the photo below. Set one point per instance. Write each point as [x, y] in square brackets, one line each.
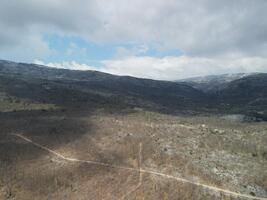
[158, 39]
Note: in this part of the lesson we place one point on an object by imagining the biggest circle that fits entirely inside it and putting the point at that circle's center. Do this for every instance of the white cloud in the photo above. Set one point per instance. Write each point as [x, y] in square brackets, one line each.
[172, 68]
[72, 65]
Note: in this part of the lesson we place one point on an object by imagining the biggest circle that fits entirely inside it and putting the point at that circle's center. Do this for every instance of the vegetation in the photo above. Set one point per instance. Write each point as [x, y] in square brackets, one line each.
[13, 104]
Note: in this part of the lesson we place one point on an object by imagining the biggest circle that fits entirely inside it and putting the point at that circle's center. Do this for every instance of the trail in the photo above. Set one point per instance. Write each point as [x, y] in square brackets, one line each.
[140, 170]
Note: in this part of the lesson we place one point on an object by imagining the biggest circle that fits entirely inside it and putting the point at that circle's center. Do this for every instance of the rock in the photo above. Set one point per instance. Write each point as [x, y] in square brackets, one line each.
[218, 131]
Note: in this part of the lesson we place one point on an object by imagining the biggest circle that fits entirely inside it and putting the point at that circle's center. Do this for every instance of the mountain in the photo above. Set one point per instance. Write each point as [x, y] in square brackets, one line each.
[249, 93]
[62, 86]
[228, 93]
[234, 93]
[212, 83]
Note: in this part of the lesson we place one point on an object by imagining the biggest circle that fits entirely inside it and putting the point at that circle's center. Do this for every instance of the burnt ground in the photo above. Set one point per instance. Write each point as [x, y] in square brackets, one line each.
[203, 149]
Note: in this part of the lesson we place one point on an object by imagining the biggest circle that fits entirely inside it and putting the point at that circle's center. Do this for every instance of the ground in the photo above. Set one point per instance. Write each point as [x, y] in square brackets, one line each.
[205, 150]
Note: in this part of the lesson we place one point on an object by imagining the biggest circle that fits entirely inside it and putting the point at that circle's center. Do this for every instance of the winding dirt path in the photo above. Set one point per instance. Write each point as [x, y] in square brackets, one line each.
[140, 170]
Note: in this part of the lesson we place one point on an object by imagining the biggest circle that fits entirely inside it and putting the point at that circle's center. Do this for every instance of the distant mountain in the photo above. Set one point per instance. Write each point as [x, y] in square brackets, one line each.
[62, 86]
[238, 89]
[212, 83]
[247, 95]
[235, 93]
[250, 90]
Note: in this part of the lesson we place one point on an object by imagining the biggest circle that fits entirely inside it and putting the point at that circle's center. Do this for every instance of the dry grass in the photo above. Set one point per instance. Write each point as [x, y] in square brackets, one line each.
[221, 153]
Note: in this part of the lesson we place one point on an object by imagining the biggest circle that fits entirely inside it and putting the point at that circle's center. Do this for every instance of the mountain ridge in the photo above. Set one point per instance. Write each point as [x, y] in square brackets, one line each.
[239, 93]
[135, 91]
[213, 83]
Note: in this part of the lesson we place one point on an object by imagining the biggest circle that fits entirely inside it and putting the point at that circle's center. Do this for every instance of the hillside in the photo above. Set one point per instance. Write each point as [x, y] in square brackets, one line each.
[60, 86]
[30, 85]
[212, 83]
[234, 93]
[248, 93]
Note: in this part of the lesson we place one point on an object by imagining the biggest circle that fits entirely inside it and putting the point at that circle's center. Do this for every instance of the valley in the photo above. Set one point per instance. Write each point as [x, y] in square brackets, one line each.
[109, 137]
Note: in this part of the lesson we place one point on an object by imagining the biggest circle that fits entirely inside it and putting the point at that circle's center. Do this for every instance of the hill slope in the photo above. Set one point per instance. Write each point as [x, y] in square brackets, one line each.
[240, 93]
[249, 93]
[212, 83]
[60, 86]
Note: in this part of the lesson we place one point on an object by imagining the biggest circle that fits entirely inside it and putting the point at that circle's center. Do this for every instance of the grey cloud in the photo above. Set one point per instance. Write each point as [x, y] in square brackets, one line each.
[206, 28]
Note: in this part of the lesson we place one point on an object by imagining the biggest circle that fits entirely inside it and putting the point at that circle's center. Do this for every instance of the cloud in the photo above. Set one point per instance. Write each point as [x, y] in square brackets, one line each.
[132, 51]
[72, 65]
[27, 49]
[214, 36]
[205, 28]
[171, 68]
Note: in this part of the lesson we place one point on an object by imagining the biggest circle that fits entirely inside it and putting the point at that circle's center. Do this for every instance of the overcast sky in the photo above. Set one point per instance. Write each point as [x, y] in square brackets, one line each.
[159, 39]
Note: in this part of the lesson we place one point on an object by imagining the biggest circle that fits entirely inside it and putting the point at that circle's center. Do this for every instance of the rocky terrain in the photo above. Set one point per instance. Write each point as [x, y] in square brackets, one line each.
[203, 149]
